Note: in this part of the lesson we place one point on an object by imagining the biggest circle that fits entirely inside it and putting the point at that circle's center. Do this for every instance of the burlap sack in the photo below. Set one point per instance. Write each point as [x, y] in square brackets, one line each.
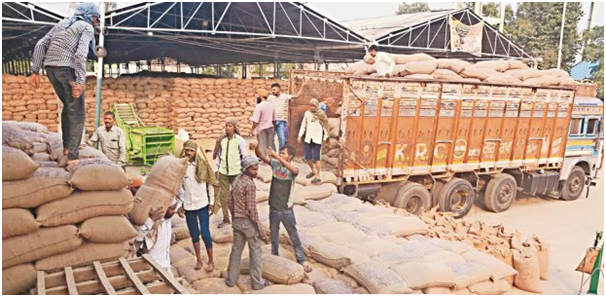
[500, 66]
[81, 206]
[16, 164]
[377, 279]
[214, 286]
[265, 174]
[468, 273]
[160, 188]
[498, 287]
[98, 175]
[526, 262]
[352, 68]
[587, 263]
[278, 270]
[107, 229]
[473, 72]
[332, 286]
[32, 127]
[46, 185]
[18, 279]
[516, 64]
[421, 67]
[454, 65]
[498, 269]
[422, 275]
[43, 243]
[16, 138]
[334, 255]
[41, 157]
[403, 59]
[85, 254]
[18, 221]
[446, 74]
[543, 254]
[304, 289]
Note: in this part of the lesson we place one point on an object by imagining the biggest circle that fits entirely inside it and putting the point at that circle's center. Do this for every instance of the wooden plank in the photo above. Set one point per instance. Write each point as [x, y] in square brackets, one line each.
[69, 278]
[83, 274]
[41, 285]
[157, 288]
[167, 278]
[133, 277]
[118, 282]
[103, 279]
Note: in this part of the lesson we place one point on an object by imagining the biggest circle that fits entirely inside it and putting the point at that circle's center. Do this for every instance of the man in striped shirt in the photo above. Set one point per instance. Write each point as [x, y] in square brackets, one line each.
[281, 101]
[63, 52]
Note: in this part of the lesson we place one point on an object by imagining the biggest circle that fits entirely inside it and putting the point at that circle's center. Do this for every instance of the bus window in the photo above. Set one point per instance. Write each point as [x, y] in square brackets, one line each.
[591, 126]
[576, 126]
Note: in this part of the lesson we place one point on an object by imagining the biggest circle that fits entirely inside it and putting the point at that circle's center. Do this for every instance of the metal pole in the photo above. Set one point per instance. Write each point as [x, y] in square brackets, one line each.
[100, 68]
[561, 36]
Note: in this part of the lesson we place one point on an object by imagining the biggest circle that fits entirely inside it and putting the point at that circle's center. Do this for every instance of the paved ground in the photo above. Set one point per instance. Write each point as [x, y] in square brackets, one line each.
[569, 226]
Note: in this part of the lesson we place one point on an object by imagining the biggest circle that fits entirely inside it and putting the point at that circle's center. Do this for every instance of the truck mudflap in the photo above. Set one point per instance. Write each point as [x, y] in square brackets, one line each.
[591, 182]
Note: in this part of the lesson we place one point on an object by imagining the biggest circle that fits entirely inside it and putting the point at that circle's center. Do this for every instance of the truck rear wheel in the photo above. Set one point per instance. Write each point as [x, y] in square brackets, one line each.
[573, 186]
[413, 197]
[500, 193]
[457, 196]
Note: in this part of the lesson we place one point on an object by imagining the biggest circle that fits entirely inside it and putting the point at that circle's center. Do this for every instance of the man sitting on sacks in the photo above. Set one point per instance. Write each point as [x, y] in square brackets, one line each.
[381, 60]
[154, 236]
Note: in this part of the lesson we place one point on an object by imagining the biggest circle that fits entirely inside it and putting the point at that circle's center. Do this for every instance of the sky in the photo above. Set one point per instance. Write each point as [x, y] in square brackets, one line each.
[349, 10]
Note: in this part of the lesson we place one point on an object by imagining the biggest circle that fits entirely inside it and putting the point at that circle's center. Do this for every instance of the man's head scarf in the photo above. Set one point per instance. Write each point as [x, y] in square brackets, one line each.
[85, 12]
[204, 173]
[320, 116]
[249, 161]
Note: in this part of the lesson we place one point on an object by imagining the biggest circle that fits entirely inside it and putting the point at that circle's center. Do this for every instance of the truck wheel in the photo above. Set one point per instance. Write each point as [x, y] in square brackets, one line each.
[435, 192]
[457, 196]
[500, 193]
[572, 188]
[413, 197]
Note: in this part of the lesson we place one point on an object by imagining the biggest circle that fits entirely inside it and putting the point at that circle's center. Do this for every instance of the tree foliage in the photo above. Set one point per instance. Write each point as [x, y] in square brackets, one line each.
[594, 51]
[412, 7]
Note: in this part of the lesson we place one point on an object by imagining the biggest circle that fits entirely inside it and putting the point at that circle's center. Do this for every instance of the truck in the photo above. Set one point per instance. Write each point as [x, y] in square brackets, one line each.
[418, 143]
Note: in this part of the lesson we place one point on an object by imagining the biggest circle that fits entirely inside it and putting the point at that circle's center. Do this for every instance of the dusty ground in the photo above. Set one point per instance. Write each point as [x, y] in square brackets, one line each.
[569, 227]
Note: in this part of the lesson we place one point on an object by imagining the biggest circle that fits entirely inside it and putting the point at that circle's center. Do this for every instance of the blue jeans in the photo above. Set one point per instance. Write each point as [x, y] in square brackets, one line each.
[73, 114]
[287, 218]
[282, 131]
[201, 216]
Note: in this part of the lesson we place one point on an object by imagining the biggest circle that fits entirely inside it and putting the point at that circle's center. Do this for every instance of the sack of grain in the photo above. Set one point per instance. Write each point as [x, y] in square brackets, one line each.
[419, 76]
[499, 287]
[500, 66]
[453, 65]
[277, 269]
[503, 79]
[82, 206]
[179, 256]
[18, 221]
[446, 74]
[498, 269]
[265, 174]
[587, 263]
[526, 262]
[473, 72]
[181, 233]
[556, 73]
[85, 254]
[16, 164]
[316, 192]
[453, 246]
[377, 279]
[214, 286]
[43, 243]
[422, 275]
[32, 127]
[366, 69]
[332, 286]
[84, 153]
[311, 219]
[403, 59]
[516, 64]
[107, 229]
[46, 185]
[468, 273]
[98, 175]
[525, 74]
[159, 189]
[16, 138]
[297, 289]
[421, 67]
[334, 255]
[543, 255]
[18, 279]
[437, 291]
[352, 68]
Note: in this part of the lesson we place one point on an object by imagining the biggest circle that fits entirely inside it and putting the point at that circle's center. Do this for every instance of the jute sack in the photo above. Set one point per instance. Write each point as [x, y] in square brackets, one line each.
[18, 279]
[81, 206]
[16, 138]
[85, 254]
[452, 64]
[526, 262]
[468, 273]
[43, 243]
[98, 175]
[499, 287]
[160, 188]
[278, 270]
[498, 269]
[214, 286]
[107, 229]
[32, 127]
[285, 290]
[377, 279]
[332, 286]
[421, 67]
[16, 164]
[543, 253]
[422, 275]
[46, 185]
[18, 221]
[334, 255]
[265, 173]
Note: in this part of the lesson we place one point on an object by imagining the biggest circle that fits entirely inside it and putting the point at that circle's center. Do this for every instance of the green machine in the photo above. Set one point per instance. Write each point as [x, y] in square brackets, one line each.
[142, 143]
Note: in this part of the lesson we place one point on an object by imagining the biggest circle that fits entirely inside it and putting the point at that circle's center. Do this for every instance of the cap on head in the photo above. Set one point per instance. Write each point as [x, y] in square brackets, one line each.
[263, 93]
[249, 161]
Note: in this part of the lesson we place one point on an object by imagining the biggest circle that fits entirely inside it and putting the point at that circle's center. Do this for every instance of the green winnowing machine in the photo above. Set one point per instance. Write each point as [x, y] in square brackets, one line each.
[142, 143]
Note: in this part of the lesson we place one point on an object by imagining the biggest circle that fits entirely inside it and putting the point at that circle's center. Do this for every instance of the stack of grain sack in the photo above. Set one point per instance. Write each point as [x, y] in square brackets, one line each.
[423, 66]
[55, 217]
[198, 105]
[21, 102]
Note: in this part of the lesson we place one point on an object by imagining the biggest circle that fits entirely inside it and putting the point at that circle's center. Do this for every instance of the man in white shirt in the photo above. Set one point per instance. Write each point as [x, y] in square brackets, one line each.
[154, 236]
[382, 61]
[315, 129]
[196, 201]
[111, 139]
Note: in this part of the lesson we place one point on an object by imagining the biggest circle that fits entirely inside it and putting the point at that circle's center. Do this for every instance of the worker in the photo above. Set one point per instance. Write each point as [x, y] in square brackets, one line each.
[196, 199]
[247, 226]
[281, 101]
[111, 140]
[229, 151]
[314, 128]
[384, 64]
[154, 236]
[281, 198]
[263, 120]
[63, 52]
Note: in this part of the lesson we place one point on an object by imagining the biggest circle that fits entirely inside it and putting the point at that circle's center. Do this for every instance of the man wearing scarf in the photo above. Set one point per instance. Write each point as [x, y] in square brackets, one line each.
[154, 236]
[63, 52]
[230, 150]
[197, 197]
[315, 129]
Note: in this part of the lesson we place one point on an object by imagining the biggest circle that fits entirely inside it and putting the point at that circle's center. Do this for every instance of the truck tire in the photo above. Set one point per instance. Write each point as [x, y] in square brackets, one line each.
[572, 188]
[457, 196]
[435, 192]
[500, 193]
[413, 197]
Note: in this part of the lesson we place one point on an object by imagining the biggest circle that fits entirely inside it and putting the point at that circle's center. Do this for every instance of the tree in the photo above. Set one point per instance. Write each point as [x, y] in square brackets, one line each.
[536, 29]
[594, 51]
[493, 9]
[413, 7]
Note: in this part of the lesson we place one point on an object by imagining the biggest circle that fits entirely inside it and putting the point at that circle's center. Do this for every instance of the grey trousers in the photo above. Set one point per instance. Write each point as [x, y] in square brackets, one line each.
[266, 140]
[245, 231]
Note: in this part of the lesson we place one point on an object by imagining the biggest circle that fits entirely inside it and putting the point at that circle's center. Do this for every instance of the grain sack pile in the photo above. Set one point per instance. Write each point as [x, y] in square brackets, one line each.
[332, 151]
[23, 103]
[423, 66]
[56, 217]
